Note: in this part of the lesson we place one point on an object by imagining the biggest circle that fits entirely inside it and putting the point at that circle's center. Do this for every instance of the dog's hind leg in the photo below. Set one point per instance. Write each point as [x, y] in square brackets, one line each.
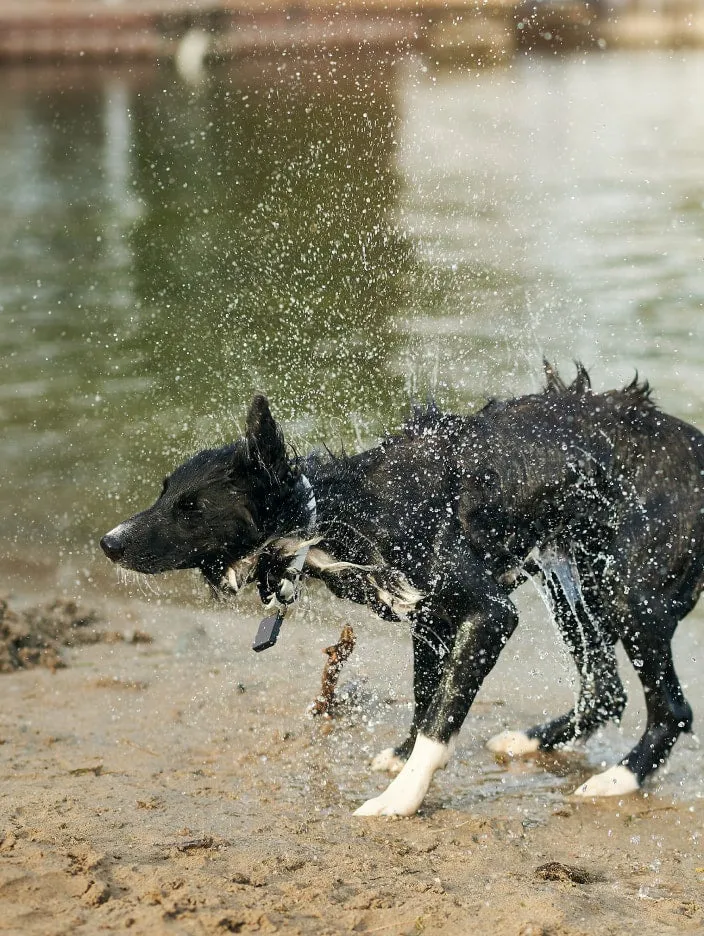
[432, 642]
[601, 693]
[601, 698]
[668, 712]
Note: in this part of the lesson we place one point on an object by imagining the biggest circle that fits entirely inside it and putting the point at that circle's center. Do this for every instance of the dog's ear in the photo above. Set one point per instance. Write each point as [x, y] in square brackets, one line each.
[264, 436]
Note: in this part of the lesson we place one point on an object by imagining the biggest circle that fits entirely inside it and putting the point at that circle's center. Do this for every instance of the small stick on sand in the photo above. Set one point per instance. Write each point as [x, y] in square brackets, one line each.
[336, 657]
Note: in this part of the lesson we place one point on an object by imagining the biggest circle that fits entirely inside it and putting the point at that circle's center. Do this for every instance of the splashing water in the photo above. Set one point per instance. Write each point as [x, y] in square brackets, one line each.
[559, 574]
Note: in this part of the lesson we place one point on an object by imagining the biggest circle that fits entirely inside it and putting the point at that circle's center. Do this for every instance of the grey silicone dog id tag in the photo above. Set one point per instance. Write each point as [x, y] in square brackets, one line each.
[268, 632]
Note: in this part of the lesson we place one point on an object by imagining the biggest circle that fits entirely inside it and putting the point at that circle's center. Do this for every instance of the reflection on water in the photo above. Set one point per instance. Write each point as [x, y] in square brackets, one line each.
[177, 250]
[267, 227]
[339, 234]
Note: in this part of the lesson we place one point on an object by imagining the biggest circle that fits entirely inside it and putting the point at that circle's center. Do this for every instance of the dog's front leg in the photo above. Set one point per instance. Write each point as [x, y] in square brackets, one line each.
[476, 649]
[433, 638]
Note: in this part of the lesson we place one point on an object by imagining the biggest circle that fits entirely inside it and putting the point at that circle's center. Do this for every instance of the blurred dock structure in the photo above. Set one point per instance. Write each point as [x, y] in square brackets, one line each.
[193, 30]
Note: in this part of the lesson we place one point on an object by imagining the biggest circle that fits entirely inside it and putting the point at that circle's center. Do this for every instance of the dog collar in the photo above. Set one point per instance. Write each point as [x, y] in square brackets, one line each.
[289, 587]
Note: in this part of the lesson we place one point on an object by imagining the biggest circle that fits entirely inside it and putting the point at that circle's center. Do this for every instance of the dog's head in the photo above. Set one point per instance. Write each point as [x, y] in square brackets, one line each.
[217, 508]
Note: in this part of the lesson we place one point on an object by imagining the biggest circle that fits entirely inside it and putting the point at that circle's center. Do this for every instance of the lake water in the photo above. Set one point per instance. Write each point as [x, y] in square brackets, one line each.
[341, 234]
[346, 234]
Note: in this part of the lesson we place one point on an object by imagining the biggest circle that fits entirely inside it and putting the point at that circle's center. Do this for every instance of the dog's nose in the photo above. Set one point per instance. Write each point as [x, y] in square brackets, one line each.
[113, 547]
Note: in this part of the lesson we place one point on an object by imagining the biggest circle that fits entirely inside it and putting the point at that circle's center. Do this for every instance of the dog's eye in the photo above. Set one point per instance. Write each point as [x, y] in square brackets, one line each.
[187, 505]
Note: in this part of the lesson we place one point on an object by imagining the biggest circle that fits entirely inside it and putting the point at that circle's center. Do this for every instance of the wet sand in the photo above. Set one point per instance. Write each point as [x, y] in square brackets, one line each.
[181, 787]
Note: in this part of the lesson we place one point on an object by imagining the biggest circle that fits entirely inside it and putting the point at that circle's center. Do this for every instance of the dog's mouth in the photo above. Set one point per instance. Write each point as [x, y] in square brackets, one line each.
[230, 577]
[240, 573]
[223, 574]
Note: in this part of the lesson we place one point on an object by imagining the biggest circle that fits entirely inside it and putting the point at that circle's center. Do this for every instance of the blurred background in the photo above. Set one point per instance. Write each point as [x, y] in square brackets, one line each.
[348, 206]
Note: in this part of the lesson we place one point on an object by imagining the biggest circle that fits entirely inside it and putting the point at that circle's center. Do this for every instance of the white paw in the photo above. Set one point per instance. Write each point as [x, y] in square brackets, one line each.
[387, 761]
[404, 795]
[513, 743]
[390, 803]
[616, 781]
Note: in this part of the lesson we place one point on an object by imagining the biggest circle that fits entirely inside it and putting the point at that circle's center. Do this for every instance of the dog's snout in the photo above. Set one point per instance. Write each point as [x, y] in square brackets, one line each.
[113, 546]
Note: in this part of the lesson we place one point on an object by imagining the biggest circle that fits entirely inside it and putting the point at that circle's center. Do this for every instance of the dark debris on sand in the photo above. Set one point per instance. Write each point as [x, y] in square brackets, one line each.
[35, 636]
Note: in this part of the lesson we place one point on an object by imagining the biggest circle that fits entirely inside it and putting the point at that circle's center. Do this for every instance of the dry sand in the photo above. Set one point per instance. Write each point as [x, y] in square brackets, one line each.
[181, 787]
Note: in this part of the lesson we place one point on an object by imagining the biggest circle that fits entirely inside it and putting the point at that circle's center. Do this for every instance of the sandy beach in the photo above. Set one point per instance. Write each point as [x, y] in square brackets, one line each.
[180, 786]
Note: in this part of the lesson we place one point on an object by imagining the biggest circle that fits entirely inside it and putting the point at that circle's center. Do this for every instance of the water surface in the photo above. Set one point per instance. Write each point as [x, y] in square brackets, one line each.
[342, 234]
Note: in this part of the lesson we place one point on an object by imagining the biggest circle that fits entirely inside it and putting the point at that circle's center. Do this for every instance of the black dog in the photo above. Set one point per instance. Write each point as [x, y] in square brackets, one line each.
[599, 496]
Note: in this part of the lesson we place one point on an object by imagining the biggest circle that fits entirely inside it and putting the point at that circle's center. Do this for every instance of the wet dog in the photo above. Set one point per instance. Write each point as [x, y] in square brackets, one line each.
[600, 496]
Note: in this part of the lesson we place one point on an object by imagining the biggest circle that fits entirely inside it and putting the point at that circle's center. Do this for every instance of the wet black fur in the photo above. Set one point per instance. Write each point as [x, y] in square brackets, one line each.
[462, 508]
